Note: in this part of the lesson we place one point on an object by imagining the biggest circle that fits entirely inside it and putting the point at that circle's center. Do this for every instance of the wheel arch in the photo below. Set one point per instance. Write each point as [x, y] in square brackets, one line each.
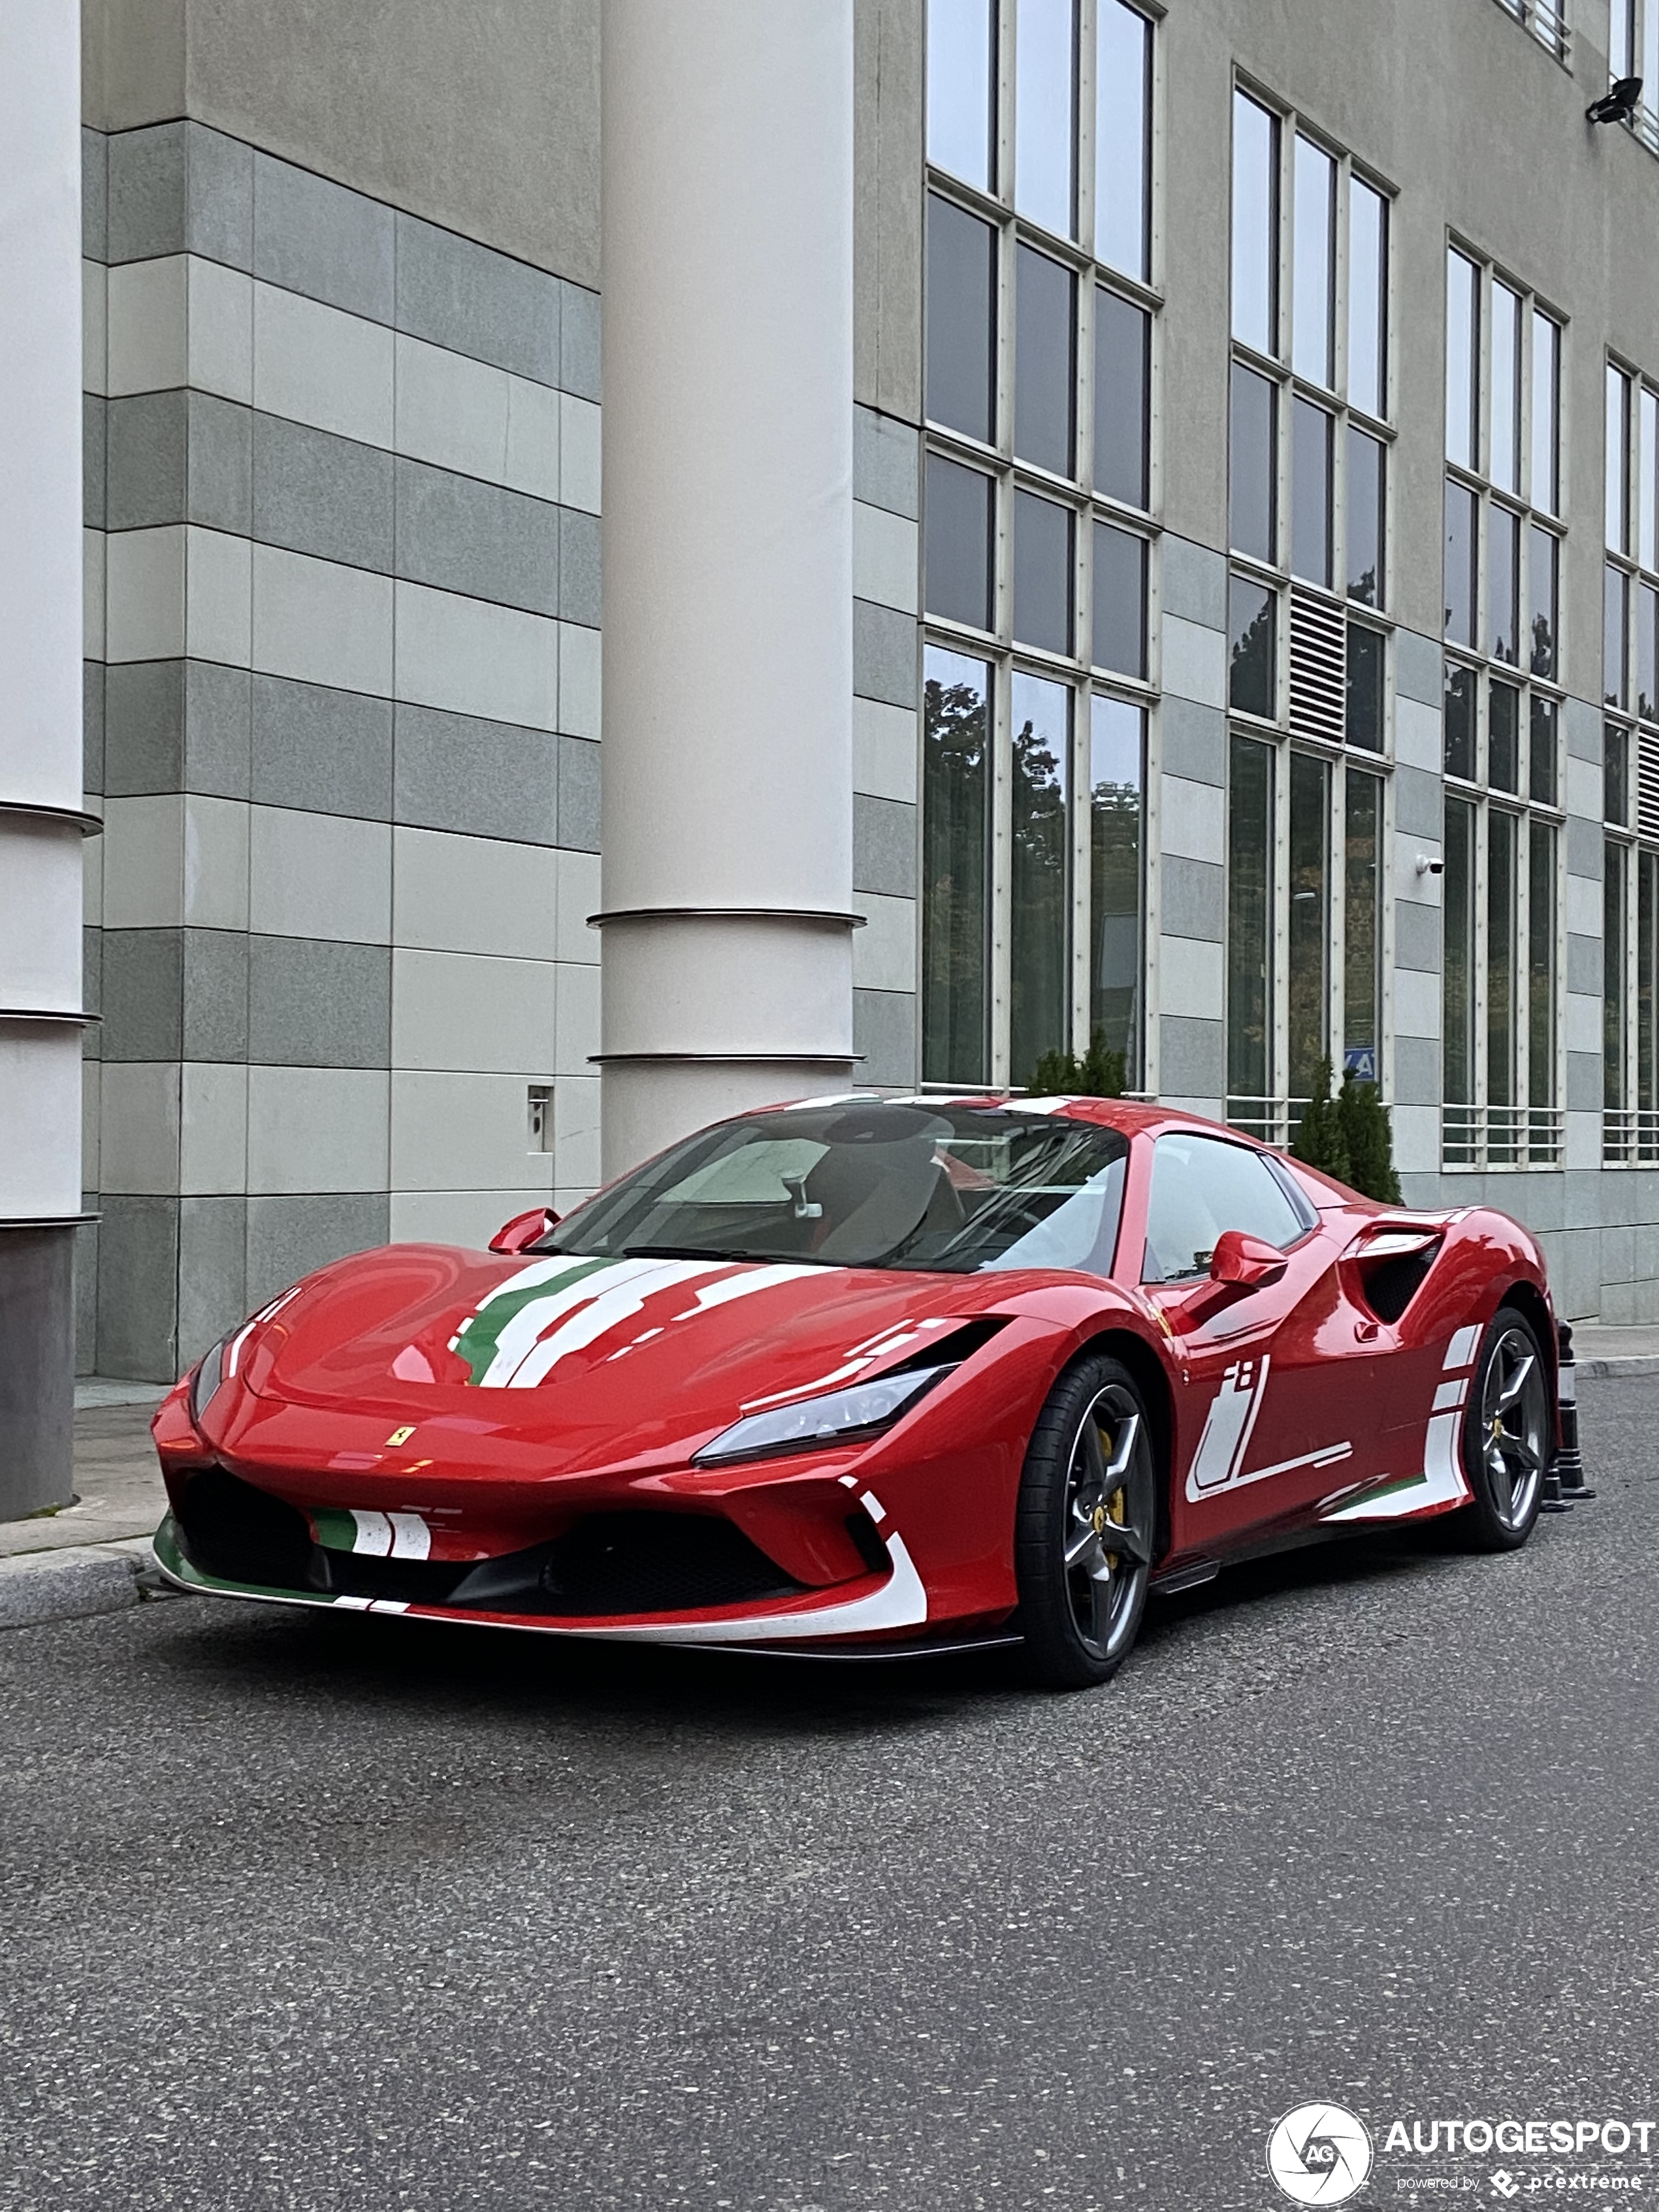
[1152, 1381]
[1528, 1299]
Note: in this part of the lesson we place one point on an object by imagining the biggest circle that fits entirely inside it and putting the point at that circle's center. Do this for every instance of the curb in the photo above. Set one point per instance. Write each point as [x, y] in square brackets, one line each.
[1598, 1370]
[78, 1581]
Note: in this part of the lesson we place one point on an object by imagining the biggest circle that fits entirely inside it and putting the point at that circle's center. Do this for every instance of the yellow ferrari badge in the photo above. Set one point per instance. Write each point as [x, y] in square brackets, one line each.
[400, 1436]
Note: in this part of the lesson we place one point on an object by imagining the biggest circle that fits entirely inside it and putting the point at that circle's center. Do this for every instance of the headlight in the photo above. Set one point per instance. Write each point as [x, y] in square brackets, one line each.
[209, 1374]
[862, 1411]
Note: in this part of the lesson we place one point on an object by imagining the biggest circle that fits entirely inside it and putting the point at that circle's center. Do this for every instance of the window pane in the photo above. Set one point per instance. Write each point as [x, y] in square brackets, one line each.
[1543, 588]
[959, 73]
[1543, 779]
[1202, 1187]
[1546, 414]
[1647, 669]
[956, 830]
[1462, 362]
[1310, 492]
[1505, 389]
[1540, 966]
[1364, 546]
[1362, 937]
[1042, 573]
[1612, 976]
[1313, 291]
[1251, 612]
[1500, 959]
[959, 543]
[1309, 932]
[1459, 721]
[1618, 458]
[1120, 603]
[1503, 585]
[1253, 465]
[1249, 917]
[1460, 564]
[1255, 225]
[1045, 373]
[1040, 993]
[1647, 541]
[1045, 110]
[1363, 719]
[961, 323]
[1647, 965]
[1123, 162]
[1615, 619]
[1502, 737]
[1457, 917]
[1367, 288]
[1622, 52]
[1122, 374]
[1615, 775]
[1116, 750]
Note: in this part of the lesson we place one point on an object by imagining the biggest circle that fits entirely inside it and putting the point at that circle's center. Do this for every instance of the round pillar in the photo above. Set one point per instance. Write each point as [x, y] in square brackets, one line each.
[726, 869]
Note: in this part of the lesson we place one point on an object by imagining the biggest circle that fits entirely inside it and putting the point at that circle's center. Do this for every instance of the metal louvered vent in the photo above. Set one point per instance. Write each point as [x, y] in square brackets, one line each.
[1319, 669]
[1647, 783]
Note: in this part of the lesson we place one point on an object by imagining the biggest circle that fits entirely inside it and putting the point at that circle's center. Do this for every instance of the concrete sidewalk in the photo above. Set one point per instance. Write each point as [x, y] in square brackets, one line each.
[94, 1556]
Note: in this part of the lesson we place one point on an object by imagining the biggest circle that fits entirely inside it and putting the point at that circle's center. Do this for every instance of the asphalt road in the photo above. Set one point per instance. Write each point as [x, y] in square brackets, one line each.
[314, 1914]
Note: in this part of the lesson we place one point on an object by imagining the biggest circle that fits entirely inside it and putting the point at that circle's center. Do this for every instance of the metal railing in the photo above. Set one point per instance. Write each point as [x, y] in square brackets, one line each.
[1269, 1121]
[1546, 19]
[1630, 1138]
[1481, 1137]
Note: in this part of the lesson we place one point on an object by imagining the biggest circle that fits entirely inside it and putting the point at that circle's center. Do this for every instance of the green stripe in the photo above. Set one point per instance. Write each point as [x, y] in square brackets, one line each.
[479, 1337]
[335, 1531]
[173, 1559]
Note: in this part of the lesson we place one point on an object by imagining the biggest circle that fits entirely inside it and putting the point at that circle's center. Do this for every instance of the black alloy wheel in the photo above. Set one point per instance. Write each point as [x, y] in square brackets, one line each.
[1085, 1526]
[1508, 1435]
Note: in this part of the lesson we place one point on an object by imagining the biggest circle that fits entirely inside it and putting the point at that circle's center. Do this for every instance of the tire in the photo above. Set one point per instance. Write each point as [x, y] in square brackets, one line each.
[1506, 1439]
[1089, 1469]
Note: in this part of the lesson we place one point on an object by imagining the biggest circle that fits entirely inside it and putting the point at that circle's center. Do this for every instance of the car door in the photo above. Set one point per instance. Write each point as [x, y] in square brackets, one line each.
[1264, 1429]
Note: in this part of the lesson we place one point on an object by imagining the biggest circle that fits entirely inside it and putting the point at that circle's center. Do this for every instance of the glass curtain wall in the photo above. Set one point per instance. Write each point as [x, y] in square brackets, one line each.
[1501, 724]
[1039, 536]
[1309, 431]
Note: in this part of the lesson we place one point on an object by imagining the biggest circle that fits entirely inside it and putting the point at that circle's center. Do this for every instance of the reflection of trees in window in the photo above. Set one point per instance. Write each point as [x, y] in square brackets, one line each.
[1310, 838]
[1252, 612]
[1249, 913]
[956, 826]
[1115, 899]
[1039, 996]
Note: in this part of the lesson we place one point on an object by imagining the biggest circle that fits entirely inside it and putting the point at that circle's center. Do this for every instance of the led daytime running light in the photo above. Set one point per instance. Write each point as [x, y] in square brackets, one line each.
[810, 1423]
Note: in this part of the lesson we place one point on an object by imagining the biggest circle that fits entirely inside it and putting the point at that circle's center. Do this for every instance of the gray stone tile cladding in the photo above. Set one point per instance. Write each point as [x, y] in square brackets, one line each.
[1584, 1082]
[86, 1289]
[92, 726]
[219, 464]
[92, 990]
[212, 1271]
[482, 779]
[1584, 843]
[215, 997]
[176, 725]
[1193, 899]
[138, 1287]
[319, 749]
[288, 1238]
[1416, 933]
[94, 428]
[142, 993]
[1195, 741]
[313, 1003]
[1192, 1057]
[886, 463]
[580, 582]
[578, 795]
[94, 195]
[883, 654]
[885, 1032]
[145, 447]
[1419, 803]
[1583, 729]
[315, 493]
[1416, 1071]
[883, 846]
[460, 535]
[1584, 965]
[1417, 667]
[318, 238]
[146, 188]
[1194, 582]
[453, 292]
[579, 341]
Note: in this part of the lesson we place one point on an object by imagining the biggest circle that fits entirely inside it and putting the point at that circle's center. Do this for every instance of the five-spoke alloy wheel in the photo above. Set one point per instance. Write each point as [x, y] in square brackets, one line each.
[1506, 1434]
[1086, 1526]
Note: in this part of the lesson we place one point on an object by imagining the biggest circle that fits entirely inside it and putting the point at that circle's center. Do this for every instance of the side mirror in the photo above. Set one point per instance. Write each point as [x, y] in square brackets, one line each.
[1239, 1264]
[523, 1231]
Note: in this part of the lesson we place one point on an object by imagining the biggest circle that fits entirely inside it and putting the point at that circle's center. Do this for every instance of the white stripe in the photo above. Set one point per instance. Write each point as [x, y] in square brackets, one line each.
[1443, 1482]
[744, 1286]
[373, 1535]
[388, 1605]
[538, 1271]
[1327, 1455]
[900, 1602]
[616, 1303]
[520, 1336]
[354, 1604]
[1460, 1352]
[410, 1537]
[873, 1507]
[1450, 1396]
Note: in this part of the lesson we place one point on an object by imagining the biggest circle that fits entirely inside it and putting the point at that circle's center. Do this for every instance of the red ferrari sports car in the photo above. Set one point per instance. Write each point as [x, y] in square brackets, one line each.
[872, 1376]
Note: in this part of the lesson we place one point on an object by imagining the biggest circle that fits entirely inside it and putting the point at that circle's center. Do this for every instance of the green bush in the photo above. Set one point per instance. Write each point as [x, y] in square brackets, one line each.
[1322, 1138]
[1101, 1073]
[1369, 1139]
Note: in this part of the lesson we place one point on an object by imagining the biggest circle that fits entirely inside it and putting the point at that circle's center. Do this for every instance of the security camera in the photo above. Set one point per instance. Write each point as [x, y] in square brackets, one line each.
[1425, 866]
[1618, 105]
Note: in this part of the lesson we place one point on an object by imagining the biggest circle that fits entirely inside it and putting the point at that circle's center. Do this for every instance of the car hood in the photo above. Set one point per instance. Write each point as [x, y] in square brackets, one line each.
[600, 1358]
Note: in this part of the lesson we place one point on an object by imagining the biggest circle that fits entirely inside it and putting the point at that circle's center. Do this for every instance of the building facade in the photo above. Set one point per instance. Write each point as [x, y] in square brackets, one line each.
[1255, 604]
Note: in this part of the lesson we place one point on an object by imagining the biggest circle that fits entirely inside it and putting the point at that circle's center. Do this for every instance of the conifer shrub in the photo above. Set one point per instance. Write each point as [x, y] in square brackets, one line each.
[1100, 1073]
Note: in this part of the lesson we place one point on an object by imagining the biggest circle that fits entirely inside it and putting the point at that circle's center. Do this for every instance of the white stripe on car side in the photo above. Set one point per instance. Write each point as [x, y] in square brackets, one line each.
[587, 1316]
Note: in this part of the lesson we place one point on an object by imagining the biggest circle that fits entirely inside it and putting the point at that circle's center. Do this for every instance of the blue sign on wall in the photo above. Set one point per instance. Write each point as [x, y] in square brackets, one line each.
[1359, 1060]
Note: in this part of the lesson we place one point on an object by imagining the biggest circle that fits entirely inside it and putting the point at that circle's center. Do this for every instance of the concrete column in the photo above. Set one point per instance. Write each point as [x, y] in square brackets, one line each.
[728, 517]
[40, 822]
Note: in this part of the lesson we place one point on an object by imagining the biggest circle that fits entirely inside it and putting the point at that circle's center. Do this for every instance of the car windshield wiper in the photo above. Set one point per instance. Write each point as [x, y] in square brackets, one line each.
[714, 1252]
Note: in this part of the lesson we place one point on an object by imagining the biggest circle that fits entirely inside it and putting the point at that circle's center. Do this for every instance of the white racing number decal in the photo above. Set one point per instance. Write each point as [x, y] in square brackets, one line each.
[1227, 1427]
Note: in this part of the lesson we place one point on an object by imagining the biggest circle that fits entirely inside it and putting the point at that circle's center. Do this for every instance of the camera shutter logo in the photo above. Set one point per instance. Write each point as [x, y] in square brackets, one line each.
[1319, 2154]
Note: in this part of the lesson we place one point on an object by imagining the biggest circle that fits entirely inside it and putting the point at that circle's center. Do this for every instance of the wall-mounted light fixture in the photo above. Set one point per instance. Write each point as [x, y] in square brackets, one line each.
[1618, 105]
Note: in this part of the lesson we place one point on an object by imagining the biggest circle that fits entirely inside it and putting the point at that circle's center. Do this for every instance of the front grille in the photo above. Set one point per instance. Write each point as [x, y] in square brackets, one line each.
[657, 1563]
[243, 1535]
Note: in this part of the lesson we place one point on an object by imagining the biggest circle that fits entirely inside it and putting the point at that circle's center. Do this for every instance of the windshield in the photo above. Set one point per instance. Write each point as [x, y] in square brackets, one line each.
[870, 1185]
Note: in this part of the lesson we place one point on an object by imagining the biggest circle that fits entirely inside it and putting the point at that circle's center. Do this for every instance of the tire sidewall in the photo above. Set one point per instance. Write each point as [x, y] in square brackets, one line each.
[1482, 1518]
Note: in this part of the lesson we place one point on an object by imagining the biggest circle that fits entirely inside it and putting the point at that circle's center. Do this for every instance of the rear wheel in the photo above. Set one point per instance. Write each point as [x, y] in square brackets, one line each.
[1085, 1527]
[1506, 1435]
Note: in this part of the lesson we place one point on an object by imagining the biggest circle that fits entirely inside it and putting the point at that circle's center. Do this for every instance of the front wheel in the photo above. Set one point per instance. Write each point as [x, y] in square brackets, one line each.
[1506, 1436]
[1085, 1527]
